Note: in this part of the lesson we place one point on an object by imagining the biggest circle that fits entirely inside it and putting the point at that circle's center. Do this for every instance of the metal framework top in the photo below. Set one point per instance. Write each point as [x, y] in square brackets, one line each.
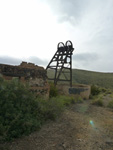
[64, 48]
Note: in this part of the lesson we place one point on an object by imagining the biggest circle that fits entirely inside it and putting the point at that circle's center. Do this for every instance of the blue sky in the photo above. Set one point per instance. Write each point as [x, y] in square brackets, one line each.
[31, 29]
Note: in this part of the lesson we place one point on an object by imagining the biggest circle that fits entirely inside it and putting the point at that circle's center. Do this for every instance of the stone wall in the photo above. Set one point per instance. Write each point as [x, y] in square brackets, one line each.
[35, 75]
[78, 90]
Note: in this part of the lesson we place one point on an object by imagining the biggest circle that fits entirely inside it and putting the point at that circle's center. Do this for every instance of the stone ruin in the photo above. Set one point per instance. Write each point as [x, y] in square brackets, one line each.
[35, 75]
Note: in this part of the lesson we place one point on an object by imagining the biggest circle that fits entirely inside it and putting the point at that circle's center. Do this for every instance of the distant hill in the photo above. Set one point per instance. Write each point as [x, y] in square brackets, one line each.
[90, 77]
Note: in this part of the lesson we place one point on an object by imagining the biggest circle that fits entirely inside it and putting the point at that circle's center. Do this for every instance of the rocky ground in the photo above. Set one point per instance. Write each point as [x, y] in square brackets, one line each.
[81, 127]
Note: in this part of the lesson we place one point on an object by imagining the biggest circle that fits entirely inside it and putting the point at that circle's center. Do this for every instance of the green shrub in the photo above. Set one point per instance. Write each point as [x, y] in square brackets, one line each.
[103, 90]
[67, 100]
[105, 94]
[79, 100]
[90, 96]
[110, 105]
[95, 90]
[53, 91]
[108, 92]
[97, 102]
[19, 110]
[52, 108]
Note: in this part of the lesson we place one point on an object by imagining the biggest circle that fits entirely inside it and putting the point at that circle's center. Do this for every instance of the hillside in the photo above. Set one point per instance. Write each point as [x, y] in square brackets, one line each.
[90, 77]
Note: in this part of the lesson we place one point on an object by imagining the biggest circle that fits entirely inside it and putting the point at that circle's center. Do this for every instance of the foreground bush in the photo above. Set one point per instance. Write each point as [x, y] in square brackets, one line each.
[21, 112]
[52, 108]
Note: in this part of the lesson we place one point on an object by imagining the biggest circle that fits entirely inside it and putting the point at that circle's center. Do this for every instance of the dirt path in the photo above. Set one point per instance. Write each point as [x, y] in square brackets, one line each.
[81, 127]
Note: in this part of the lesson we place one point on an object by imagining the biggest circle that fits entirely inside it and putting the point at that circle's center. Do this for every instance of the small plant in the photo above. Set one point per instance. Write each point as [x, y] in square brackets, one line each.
[50, 109]
[97, 102]
[66, 100]
[105, 94]
[108, 92]
[103, 90]
[111, 95]
[73, 100]
[79, 100]
[95, 90]
[90, 96]
[53, 91]
[110, 105]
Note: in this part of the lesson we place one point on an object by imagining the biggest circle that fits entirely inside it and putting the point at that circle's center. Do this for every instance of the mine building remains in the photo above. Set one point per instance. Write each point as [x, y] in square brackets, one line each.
[35, 75]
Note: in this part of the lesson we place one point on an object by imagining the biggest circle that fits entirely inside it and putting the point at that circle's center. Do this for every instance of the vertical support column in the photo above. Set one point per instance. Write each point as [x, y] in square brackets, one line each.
[70, 70]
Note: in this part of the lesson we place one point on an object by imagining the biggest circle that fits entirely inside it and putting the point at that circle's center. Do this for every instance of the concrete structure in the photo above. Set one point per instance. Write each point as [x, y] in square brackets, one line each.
[79, 90]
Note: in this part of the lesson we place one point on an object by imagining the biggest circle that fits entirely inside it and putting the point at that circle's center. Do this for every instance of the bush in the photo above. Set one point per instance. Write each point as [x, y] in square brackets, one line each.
[52, 108]
[108, 92]
[66, 100]
[19, 110]
[53, 91]
[95, 90]
[97, 102]
[110, 105]
[103, 90]
[91, 96]
[79, 100]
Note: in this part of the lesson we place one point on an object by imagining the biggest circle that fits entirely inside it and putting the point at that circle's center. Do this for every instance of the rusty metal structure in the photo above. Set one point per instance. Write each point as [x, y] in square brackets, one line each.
[61, 63]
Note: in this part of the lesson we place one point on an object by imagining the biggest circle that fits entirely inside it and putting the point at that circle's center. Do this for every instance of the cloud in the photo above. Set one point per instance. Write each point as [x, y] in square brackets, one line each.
[37, 61]
[78, 9]
[10, 60]
[70, 11]
[86, 57]
[16, 61]
[93, 62]
[85, 61]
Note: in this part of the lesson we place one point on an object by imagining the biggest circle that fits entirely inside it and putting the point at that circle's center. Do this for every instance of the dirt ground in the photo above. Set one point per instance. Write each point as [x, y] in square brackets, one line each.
[81, 127]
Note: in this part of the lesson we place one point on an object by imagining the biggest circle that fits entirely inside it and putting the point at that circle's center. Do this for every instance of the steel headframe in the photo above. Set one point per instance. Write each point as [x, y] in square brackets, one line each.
[61, 63]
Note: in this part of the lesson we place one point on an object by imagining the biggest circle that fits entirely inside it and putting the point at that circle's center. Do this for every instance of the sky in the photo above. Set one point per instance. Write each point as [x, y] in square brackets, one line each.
[31, 29]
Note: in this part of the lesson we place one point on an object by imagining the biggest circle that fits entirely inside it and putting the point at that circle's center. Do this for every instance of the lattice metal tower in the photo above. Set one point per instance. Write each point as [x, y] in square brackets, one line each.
[61, 63]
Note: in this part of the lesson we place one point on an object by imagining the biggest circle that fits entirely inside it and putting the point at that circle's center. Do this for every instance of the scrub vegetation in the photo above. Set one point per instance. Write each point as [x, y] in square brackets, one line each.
[101, 96]
[22, 112]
